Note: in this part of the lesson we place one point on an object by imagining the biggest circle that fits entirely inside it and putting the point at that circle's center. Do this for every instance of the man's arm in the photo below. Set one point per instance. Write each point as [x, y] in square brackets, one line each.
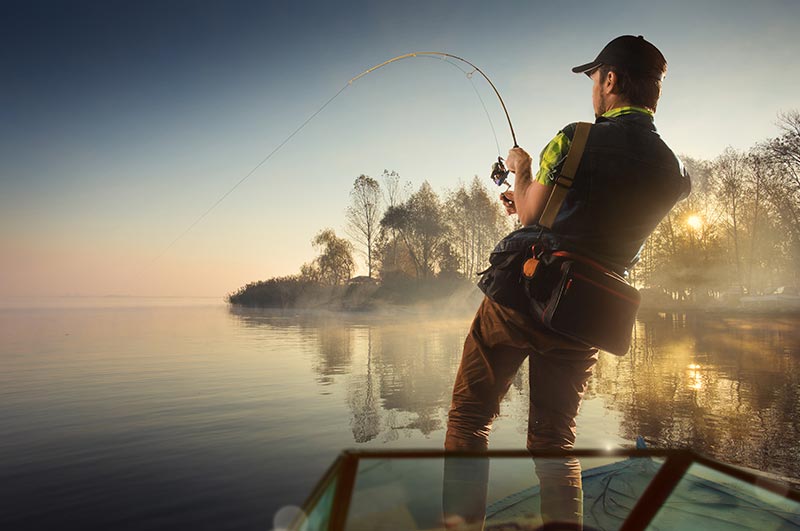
[531, 194]
[530, 197]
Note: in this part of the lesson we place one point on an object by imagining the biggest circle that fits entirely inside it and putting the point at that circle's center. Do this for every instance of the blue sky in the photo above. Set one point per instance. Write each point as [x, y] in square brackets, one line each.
[121, 122]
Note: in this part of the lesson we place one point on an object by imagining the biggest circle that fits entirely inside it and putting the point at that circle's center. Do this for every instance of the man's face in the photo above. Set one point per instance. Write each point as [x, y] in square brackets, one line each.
[598, 92]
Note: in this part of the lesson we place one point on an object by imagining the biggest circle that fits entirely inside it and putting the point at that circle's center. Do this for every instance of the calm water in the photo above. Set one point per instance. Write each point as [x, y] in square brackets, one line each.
[151, 414]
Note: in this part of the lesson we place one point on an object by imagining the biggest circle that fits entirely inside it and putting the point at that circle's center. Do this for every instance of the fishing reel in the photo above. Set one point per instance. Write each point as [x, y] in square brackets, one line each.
[500, 173]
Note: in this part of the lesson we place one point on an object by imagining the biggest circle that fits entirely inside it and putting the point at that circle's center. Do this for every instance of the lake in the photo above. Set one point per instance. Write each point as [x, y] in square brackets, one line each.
[187, 413]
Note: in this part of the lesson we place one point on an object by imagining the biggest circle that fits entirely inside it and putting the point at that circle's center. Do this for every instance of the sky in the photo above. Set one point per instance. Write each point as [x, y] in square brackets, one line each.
[121, 123]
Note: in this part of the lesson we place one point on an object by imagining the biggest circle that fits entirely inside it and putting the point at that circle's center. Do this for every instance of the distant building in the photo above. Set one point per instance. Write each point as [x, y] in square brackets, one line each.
[362, 280]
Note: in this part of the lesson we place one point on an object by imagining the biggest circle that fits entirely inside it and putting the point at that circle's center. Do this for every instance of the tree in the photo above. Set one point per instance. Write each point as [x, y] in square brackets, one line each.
[758, 214]
[392, 257]
[335, 262]
[420, 224]
[783, 182]
[395, 261]
[394, 192]
[310, 272]
[476, 223]
[364, 215]
[729, 168]
[736, 228]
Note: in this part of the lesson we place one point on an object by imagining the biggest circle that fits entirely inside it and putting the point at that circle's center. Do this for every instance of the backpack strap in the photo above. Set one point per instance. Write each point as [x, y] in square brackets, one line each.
[567, 176]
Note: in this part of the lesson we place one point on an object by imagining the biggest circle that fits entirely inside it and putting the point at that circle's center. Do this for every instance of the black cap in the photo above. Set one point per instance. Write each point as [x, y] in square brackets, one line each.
[633, 54]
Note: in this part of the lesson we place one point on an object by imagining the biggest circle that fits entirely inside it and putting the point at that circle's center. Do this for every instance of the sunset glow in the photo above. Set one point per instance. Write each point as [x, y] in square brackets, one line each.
[695, 222]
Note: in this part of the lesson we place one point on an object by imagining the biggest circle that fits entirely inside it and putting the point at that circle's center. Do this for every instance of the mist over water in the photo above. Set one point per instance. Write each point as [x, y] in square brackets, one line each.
[152, 415]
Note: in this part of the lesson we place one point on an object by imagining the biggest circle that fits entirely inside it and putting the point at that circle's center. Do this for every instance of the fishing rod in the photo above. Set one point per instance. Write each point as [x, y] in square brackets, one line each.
[443, 54]
[499, 171]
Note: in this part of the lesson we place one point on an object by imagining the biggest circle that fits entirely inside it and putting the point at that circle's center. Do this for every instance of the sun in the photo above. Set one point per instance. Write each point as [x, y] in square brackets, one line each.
[695, 222]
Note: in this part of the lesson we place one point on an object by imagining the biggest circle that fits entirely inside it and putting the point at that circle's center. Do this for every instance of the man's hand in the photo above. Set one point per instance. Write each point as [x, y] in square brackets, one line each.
[508, 202]
[518, 160]
[529, 196]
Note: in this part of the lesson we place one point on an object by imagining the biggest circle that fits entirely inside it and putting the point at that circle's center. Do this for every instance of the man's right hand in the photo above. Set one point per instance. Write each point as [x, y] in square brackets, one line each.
[508, 202]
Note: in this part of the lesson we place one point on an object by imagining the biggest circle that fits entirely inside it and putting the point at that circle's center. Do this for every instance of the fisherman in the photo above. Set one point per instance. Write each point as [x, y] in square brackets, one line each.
[627, 181]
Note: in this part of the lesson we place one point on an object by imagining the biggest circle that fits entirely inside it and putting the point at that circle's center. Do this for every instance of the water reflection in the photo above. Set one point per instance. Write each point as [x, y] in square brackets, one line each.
[364, 401]
[335, 346]
[397, 376]
[726, 386]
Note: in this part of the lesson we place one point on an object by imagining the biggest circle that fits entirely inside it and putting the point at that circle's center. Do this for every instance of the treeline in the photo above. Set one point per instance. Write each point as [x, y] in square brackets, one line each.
[737, 233]
[415, 245]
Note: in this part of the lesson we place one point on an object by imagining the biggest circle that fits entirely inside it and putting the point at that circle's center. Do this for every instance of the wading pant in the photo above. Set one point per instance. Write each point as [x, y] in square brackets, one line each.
[498, 342]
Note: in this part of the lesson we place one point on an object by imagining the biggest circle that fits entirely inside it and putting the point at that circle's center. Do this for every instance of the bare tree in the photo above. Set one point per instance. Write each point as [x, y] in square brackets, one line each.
[394, 191]
[756, 175]
[364, 215]
[730, 168]
[784, 178]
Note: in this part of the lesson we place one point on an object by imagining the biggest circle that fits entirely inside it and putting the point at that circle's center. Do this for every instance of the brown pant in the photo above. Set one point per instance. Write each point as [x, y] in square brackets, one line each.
[498, 342]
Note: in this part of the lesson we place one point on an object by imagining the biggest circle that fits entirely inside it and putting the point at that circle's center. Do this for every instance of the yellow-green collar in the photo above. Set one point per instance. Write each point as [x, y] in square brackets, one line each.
[619, 111]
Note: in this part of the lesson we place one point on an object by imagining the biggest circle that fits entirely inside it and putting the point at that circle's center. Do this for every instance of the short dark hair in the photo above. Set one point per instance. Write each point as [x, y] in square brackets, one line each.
[637, 89]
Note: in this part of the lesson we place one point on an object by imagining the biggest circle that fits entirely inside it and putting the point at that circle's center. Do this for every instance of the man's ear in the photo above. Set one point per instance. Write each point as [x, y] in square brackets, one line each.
[610, 82]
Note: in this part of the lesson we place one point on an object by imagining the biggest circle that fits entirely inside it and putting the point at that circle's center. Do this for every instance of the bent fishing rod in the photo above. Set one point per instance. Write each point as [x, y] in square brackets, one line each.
[499, 172]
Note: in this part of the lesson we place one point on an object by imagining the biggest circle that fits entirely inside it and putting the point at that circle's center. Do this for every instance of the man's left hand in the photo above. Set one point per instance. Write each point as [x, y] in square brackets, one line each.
[507, 198]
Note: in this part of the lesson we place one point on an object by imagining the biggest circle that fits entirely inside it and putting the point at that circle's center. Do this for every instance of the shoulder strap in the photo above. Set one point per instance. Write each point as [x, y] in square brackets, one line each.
[564, 180]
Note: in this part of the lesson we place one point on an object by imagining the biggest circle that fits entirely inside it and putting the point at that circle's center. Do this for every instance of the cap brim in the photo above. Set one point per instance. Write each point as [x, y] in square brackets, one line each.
[585, 68]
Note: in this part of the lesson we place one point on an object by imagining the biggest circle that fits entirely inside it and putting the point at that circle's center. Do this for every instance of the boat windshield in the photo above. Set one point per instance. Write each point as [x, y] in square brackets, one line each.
[500, 490]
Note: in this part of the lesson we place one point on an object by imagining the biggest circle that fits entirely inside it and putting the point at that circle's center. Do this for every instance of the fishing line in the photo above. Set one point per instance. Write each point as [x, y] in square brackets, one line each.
[243, 179]
[468, 75]
[485, 110]
[443, 55]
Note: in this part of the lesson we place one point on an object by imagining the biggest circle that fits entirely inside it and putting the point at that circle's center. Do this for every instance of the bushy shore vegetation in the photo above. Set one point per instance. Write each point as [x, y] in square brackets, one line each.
[293, 292]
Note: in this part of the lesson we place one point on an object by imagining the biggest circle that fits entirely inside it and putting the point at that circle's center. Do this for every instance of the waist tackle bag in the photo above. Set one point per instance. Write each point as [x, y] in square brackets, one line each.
[502, 281]
[581, 299]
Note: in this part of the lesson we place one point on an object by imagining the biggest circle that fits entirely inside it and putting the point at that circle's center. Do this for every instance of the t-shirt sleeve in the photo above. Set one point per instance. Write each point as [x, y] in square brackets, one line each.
[553, 156]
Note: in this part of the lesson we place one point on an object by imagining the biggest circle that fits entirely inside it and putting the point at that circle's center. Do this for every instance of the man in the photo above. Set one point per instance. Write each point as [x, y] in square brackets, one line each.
[627, 181]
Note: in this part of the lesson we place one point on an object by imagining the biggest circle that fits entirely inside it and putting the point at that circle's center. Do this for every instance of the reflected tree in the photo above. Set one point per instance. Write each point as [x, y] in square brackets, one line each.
[363, 400]
[334, 351]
